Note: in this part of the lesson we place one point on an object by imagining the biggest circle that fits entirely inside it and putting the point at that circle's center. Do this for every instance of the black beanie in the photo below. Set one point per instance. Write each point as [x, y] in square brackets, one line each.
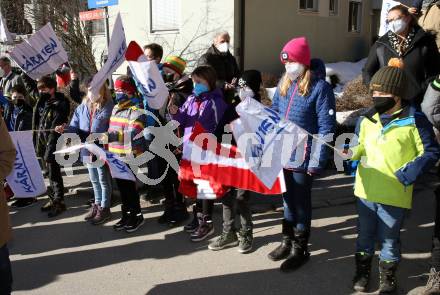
[391, 80]
[252, 79]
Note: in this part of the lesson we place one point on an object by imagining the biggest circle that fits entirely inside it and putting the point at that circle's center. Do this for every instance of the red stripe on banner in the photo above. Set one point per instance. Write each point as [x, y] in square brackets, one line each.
[134, 51]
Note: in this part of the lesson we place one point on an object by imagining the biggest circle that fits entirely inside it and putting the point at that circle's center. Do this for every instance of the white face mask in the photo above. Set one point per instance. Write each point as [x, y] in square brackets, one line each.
[223, 47]
[245, 92]
[294, 70]
[398, 26]
[2, 73]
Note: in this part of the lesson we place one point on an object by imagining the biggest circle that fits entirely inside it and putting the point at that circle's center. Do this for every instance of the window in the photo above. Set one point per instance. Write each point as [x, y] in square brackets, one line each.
[333, 7]
[97, 27]
[355, 17]
[310, 5]
[164, 15]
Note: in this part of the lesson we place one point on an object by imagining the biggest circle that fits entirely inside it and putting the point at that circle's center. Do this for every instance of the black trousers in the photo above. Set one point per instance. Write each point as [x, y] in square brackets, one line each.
[55, 179]
[205, 206]
[171, 189]
[5, 272]
[129, 196]
[236, 200]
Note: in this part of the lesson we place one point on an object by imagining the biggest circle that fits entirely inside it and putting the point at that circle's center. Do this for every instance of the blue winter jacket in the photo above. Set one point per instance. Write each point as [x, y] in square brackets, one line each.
[314, 113]
[83, 125]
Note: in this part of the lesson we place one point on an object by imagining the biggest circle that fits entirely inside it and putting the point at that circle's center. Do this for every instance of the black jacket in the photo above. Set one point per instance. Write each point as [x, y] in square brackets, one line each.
[421, 60]
[23, 121]
[224, 64]
[47, 115]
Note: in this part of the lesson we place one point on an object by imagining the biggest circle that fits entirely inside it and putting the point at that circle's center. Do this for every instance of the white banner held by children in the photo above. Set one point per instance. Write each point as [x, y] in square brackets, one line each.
[116, 52]
[5, 36]
[386, 6]
[41, 54]
[265, 140]
[26, 180]
[146, 73]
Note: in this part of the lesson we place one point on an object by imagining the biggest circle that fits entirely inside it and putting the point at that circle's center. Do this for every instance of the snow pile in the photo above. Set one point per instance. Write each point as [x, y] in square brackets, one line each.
[345, 71]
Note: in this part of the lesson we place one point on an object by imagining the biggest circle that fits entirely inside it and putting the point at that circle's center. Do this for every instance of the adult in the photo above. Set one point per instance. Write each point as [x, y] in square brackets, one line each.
[309, 102]
[7, 157]
[429, 18]
[8, 78]
[410, 43]
[220, 58]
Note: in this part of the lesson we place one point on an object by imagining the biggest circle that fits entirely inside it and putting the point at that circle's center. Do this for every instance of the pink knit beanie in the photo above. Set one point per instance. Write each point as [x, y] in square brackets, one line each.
[297, 50]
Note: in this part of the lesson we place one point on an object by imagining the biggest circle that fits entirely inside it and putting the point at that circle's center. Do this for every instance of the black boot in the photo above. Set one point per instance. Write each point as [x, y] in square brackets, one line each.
[363, 269]
[387, 275]
[165, 217]
[299, 254]
[283, 250]
[194, 224]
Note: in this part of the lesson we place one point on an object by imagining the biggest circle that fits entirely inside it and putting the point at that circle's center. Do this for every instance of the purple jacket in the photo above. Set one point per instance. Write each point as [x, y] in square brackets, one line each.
[207, 109]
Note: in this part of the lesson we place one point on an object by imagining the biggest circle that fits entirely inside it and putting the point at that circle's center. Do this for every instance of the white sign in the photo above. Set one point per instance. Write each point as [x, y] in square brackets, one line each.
[386, 6]
[5, 36]
[41, 54]
[146, 73]
[116, 52]
[26, 180]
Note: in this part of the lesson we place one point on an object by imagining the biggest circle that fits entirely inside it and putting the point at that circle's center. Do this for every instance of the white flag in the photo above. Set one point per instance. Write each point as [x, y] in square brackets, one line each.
[146, 73]
[26, 180]
[41, 54]
[386, 6]
[5, 36]
[116, 57]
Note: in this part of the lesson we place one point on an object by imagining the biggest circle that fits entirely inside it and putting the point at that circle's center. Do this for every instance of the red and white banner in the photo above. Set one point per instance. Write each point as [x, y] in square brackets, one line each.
[91, 15]
[146, 73]
[209, 169]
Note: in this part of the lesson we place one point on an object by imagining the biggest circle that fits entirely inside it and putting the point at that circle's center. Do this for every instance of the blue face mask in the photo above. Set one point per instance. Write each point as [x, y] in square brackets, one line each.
[120, 96]
[200, 88]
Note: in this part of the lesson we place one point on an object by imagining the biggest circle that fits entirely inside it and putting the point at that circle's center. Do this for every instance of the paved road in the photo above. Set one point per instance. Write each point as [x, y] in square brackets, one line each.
[70, 256]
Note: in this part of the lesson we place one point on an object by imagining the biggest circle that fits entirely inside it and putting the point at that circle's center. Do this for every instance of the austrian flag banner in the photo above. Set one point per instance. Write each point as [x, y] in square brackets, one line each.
[41, 54]
[209, 169]
[26, 180]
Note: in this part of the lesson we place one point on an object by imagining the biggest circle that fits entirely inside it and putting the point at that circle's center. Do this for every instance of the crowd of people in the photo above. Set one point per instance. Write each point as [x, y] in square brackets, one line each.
[395, 144]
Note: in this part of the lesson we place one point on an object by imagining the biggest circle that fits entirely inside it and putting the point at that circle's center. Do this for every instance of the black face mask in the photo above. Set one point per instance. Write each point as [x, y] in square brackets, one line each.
[19, 103]
[383, 103]
[45, 95]
[168, 78]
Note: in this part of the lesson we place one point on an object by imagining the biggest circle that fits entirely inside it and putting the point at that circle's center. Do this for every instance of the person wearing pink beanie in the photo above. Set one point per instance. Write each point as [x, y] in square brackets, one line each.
[307, 100]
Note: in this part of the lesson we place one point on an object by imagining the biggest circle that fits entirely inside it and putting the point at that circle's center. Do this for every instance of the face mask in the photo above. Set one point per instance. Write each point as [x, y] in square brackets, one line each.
[45, 95]
[168, 78]
[121, 96]
[294, 70]
[245, 92]
[397, 26]
[383, 103]
[223, 47]
[19, 103]
[17, 100]
[200, 88]
[2, 73]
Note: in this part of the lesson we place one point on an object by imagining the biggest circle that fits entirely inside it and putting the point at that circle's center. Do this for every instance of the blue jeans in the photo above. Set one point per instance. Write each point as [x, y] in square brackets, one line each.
[102, 185]
[5, 272]
[380, 223]
[298, 199]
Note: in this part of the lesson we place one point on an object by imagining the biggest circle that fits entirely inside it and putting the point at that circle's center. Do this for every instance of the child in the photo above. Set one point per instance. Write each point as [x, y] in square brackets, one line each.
[249, 86]
[395, 146]
[205, 106]
[127, 121]
[92, 117]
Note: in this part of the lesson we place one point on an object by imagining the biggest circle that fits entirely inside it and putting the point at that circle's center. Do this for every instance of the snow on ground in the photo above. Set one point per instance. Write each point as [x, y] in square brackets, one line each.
[345, 71]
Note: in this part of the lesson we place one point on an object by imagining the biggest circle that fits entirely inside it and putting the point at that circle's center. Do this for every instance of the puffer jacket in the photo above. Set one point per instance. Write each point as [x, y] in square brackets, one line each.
[7, 158]
[421, 60]
[22, 122]
[393, 155]
[316, 114]
[47, 115]
[431, 103]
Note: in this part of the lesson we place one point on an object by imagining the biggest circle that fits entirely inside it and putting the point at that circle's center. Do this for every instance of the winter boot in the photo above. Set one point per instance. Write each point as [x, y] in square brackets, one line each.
[118, 226]
[433, 285]
[387, 277]
[194, 224]
[58, 207]
[102, 216]
[225, 240]
[245, 238]
[178, 215]
[299, 254]
[92, 212]
[135, 221]
[283, 250]
[205, 229]
[166, 215]
[48, 206]
[363, 269]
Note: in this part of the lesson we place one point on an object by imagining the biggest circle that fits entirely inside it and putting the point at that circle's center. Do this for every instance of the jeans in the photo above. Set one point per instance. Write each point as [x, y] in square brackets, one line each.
[236, 199]
[298, 200]
[55, 179]
[102, 185]
[5, 272]
[382, 223]
[129, 196]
